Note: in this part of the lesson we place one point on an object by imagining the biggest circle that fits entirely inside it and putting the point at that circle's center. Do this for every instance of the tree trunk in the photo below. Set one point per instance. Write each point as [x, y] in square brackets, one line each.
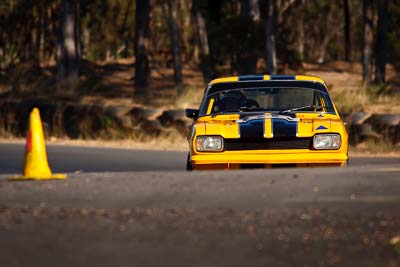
[175, 41]
[380, 67]
[327, 37]
[86, 43]
[53, 30]
[250, 8]
[270, 50]
[37, 35]
[186, 29]
[141, 42]
[247, 56]
[347, 40]
[41, 38]
[367, 41]
[324, 46]
[214, 10]
[300, 28]
[68, 49]
[201, 30]
[124, 35]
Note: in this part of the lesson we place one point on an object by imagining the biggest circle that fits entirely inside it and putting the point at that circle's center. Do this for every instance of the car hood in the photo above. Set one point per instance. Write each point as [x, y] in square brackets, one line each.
[270, 125]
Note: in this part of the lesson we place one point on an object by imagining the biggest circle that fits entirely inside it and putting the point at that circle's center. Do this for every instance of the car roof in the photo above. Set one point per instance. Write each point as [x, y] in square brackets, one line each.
[259, 81]
[251, 78]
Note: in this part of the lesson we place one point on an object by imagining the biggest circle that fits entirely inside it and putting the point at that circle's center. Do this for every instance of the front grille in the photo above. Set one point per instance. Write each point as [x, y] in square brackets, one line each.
[267, 144]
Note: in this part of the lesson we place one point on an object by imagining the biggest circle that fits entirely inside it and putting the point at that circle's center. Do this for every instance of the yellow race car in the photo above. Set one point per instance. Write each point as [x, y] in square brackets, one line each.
[266, 121]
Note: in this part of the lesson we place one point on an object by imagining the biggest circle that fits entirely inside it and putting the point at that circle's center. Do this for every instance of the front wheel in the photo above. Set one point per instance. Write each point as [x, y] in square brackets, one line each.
[189, 166]
[346, 164]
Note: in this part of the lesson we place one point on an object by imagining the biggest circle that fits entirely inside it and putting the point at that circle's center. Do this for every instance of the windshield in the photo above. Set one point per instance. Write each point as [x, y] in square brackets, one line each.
[275, 99]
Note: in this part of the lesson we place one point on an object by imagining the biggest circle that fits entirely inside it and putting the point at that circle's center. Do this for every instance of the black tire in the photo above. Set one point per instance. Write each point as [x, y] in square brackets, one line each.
[347, 164]
[189, 166]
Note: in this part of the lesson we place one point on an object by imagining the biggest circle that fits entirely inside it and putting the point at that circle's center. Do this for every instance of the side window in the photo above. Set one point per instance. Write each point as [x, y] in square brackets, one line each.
[322, 101]
[209, 105]
[328, 103]
[317, 100]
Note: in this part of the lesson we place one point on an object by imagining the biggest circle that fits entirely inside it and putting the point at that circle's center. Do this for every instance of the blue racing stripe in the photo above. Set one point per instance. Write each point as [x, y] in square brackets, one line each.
[282, 77]
[252, 128]
[284, 128]
[251, 78]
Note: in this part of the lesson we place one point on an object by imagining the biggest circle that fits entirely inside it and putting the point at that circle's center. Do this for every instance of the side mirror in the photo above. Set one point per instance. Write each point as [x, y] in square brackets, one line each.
[192, 113]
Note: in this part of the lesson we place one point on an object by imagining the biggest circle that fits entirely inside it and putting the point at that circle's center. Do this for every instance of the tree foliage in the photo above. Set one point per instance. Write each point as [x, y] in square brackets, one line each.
[219, 36]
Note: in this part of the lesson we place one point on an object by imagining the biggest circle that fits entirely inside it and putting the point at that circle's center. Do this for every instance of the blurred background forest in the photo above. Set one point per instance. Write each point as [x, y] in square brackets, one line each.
[163, 52]
[220, 37]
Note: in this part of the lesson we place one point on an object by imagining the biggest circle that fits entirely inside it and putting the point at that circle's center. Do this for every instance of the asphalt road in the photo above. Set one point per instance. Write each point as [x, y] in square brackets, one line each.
[168, 217]
[88, 159]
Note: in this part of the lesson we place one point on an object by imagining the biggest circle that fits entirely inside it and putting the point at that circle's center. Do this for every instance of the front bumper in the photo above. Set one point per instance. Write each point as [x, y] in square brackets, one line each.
[239, 159]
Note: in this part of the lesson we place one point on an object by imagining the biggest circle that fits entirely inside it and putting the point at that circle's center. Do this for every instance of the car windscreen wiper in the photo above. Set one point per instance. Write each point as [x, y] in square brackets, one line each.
[241, 109]
[299, 108]
[244, 109]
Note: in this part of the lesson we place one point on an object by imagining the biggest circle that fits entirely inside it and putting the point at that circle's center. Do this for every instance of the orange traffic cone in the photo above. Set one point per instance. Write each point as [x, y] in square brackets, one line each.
[36, 166]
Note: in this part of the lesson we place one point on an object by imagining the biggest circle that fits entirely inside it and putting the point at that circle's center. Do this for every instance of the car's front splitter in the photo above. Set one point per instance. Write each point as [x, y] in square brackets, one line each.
[236, 160]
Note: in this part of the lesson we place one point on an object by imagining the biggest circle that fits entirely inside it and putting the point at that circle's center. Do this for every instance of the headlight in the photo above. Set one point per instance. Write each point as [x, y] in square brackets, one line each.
[209, 143]
[327, 141]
